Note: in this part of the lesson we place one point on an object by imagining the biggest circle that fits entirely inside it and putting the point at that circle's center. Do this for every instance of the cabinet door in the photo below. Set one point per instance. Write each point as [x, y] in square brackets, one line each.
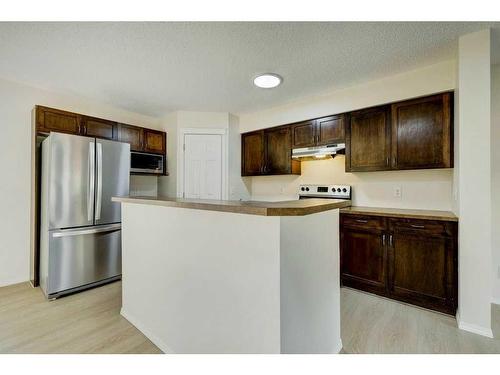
[252, 153]
[132, 135]
[95, 127]
[368, 140]
[363, 259]
[422, 133]
[278, 151]
[304, 134]
[422, 266]
[330, 129]
[50, 119]
[154, 141]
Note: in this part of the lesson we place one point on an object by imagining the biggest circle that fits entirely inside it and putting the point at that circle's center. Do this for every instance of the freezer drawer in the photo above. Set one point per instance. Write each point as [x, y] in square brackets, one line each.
[81, 257]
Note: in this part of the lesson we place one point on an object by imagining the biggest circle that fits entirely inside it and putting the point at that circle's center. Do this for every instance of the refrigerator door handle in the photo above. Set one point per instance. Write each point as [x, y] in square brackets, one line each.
[99, 182]
[91, 187]
[79, 232]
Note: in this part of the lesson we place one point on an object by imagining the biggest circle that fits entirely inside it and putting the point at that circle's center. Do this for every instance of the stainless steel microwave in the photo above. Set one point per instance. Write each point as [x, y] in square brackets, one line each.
[141, 162]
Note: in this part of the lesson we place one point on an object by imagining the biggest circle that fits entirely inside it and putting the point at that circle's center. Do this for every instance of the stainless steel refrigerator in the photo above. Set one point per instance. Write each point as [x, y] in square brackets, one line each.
[80, 233]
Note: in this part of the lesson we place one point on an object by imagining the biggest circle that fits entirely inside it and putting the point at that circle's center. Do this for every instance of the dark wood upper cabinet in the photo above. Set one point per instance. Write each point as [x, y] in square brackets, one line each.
[368, 141]
[132, 135]
[95, 127]
[278, 144]
[50, 119]
[319, 132]
[268, 152]
[422, 133]
[140, 139]
[411, 134]
[304, 134]
[330, 129]
[154, 141]
[252, 153]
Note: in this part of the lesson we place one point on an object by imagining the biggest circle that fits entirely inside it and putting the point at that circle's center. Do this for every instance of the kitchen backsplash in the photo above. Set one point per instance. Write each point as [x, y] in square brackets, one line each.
[420, 189]
[143, 185]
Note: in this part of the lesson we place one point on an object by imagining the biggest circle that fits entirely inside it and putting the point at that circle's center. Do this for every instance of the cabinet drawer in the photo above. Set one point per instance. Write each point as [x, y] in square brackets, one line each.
[373, 222]
[428, 227]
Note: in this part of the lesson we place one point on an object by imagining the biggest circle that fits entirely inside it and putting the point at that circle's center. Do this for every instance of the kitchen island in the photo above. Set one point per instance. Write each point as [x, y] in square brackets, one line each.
[203, 276]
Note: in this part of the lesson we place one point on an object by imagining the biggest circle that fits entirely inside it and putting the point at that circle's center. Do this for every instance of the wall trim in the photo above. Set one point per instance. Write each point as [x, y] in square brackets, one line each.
[473, 328]
[223, 132]
[339, 347]
[146, 332]
[11, 282]
[495, 300]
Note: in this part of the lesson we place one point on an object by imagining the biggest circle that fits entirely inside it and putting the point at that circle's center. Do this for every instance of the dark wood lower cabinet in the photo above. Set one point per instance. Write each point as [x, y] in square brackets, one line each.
[363, 260]
[410, 260]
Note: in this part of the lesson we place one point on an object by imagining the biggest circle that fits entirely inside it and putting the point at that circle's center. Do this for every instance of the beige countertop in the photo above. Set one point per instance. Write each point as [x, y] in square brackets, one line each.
[403, 213]
[286, 208]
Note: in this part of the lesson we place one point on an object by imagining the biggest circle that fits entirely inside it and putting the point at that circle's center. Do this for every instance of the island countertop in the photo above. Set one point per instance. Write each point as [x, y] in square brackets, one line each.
[284, 208]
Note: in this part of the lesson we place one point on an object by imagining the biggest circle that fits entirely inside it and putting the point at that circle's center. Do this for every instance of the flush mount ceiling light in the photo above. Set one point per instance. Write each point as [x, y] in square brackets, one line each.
[267, 80]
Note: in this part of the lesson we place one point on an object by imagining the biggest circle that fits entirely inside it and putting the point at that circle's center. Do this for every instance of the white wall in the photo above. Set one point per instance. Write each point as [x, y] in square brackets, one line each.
[375, 189]
[143, 185]
[474, 124]
[430, 189]
[495, 179]
[168, 185]
[16, 104]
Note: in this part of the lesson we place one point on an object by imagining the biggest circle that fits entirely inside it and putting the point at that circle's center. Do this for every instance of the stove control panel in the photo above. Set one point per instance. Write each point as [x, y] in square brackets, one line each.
[325, 191]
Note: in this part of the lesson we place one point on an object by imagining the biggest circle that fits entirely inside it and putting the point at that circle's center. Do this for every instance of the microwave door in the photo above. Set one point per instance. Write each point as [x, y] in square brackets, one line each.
[146, 163]
[112, 179]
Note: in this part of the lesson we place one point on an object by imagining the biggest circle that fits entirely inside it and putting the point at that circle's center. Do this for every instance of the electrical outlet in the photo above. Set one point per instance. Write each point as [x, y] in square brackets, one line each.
[397, 192]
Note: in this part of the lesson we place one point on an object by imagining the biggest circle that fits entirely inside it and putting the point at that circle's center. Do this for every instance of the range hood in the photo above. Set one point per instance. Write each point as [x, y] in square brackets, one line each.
[318, 152]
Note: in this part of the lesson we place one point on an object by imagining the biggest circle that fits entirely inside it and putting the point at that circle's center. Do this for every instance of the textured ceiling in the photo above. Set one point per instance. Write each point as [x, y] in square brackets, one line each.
[154, 68]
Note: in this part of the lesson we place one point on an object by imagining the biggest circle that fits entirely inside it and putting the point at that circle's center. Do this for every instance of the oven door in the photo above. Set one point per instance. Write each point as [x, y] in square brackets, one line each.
[141, 162]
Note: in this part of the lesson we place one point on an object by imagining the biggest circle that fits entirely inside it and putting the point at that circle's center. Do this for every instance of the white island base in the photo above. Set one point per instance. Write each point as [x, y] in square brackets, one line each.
[201, 281]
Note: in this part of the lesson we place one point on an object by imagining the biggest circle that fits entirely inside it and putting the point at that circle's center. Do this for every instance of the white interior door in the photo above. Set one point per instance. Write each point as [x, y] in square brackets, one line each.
[203, 166]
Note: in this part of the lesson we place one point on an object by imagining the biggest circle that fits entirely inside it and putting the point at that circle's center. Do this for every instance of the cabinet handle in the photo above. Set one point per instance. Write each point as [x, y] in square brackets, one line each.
[383, 239]
[387, 161]
[390, 240]
[417, 226]
[361, 221]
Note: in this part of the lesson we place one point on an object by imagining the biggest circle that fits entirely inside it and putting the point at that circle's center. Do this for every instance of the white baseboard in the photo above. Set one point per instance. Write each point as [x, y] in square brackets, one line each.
[339, 347]
[161, 344]
[473, 328]
[12, 282]
[151, 336]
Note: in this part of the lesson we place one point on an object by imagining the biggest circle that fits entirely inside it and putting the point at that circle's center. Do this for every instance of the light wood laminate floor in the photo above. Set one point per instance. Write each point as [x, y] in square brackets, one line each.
[90, 322]
[372, 324]
[87, 322]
